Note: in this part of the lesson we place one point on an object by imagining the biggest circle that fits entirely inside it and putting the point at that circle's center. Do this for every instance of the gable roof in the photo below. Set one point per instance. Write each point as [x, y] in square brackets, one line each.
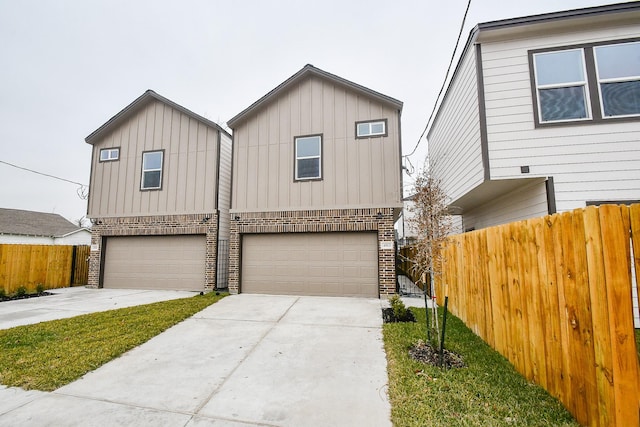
[135, 106]
[30, 223]
[307, 71]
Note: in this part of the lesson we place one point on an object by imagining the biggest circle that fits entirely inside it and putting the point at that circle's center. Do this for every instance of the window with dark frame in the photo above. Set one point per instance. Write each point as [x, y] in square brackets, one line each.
[152, 170]
[371, 128]
[591, 83]
[109, 154]
[618, 68]
[308, 157]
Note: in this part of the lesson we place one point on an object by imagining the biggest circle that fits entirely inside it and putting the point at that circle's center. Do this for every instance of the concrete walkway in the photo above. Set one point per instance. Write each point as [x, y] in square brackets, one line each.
[70, 302]
[248, 360]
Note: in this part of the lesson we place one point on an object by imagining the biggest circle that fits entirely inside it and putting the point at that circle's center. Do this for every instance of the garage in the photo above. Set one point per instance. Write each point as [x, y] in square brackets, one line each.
[327, 264]
[155, 262]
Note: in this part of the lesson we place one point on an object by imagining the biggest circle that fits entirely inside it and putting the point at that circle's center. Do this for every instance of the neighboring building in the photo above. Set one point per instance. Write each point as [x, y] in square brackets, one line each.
[542, 115]
[159, 198]
[39, 228]
[406, 231]
[316, 189]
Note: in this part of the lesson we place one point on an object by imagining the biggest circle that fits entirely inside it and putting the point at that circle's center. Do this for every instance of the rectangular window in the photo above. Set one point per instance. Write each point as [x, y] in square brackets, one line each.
[109, 154]
[308, 152]
[589, 83]
[618, 69]
[152, 170]
[561, 86]
[369, 129]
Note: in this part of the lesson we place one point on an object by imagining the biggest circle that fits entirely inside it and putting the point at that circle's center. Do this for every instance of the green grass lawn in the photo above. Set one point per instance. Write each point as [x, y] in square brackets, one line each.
[48, 355]
[488, 392]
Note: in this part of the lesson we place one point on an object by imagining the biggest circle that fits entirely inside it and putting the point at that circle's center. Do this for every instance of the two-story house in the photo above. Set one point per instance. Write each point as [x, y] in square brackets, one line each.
[316, 189]
[542, 114]
[159, 198]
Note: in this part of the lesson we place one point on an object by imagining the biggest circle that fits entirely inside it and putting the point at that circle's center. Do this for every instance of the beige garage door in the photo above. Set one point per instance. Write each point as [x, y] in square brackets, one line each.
[333, 264]
[155, 262]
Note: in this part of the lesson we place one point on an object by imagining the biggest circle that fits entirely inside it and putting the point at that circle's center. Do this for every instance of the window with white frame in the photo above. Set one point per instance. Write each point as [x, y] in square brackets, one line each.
[585, 84]
[109, 154]
[561, 86]
[308, 153]
[152, 170]
[372, 128]
[618, 70]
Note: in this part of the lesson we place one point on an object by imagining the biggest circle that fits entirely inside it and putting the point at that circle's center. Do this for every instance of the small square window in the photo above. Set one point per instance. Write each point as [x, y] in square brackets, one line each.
[152, 170]
[369, 129]
[109, 154]
[308, 157]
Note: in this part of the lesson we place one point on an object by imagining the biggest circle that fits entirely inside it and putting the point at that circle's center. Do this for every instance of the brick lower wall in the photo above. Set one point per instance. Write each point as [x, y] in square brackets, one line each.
[156, 226]
[317, 221]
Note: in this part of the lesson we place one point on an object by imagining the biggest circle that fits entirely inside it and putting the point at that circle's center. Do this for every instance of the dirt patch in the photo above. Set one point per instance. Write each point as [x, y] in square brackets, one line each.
[425, 353]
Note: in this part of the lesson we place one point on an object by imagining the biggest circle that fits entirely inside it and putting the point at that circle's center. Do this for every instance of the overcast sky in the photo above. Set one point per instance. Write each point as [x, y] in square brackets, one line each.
[66, 67]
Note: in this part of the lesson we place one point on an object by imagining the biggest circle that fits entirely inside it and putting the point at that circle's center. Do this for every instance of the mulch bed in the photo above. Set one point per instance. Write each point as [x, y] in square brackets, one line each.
[425, 353]
[13, 298]
[389, 317]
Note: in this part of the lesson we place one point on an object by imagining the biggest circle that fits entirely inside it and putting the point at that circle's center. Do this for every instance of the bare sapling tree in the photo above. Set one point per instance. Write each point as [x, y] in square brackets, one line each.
[432, 222]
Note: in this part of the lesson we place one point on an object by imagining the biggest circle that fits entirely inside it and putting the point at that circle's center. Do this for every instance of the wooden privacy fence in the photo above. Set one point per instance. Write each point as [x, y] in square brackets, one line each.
[51, 266]
[554, 296]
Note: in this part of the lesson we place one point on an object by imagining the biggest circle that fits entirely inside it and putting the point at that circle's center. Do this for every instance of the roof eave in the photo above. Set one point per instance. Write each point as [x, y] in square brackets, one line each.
[561, 15]
[311, 70]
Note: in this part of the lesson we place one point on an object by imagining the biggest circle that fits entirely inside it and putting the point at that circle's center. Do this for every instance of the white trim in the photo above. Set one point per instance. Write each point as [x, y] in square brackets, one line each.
[611, 80]
[369, 126]
[584, 84]
[319, 157]
[111, 154]
[142, 187]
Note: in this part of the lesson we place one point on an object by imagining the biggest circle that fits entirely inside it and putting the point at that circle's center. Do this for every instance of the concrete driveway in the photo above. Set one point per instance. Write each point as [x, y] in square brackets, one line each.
[70, 302]
[249, 360]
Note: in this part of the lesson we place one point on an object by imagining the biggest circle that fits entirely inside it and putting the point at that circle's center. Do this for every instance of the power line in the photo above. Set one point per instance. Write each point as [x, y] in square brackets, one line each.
[43, 174]
[453, 55]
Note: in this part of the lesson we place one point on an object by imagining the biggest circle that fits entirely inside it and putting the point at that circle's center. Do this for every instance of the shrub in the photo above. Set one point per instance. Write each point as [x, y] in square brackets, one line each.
[21, 291]
[3, 293]
[400, 312]
[40, 288]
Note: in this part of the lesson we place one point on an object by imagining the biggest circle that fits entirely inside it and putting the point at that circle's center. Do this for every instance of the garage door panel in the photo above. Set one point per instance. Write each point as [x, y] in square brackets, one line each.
[310, 264]
[155, 262]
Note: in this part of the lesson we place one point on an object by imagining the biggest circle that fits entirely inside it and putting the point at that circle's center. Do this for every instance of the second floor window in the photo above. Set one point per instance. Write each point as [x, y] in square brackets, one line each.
[589, 83]
[561, 86]
[152, 170]
[308, 157]
[369, 129]
[618, 68]
[109, 154]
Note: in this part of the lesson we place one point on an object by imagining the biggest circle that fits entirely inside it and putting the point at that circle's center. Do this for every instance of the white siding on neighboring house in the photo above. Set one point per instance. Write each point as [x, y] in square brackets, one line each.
[455, 152]
[224, 200]
[13, 239]
[224, 191]
[599, 161]
[524, 203]
[81, 237]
